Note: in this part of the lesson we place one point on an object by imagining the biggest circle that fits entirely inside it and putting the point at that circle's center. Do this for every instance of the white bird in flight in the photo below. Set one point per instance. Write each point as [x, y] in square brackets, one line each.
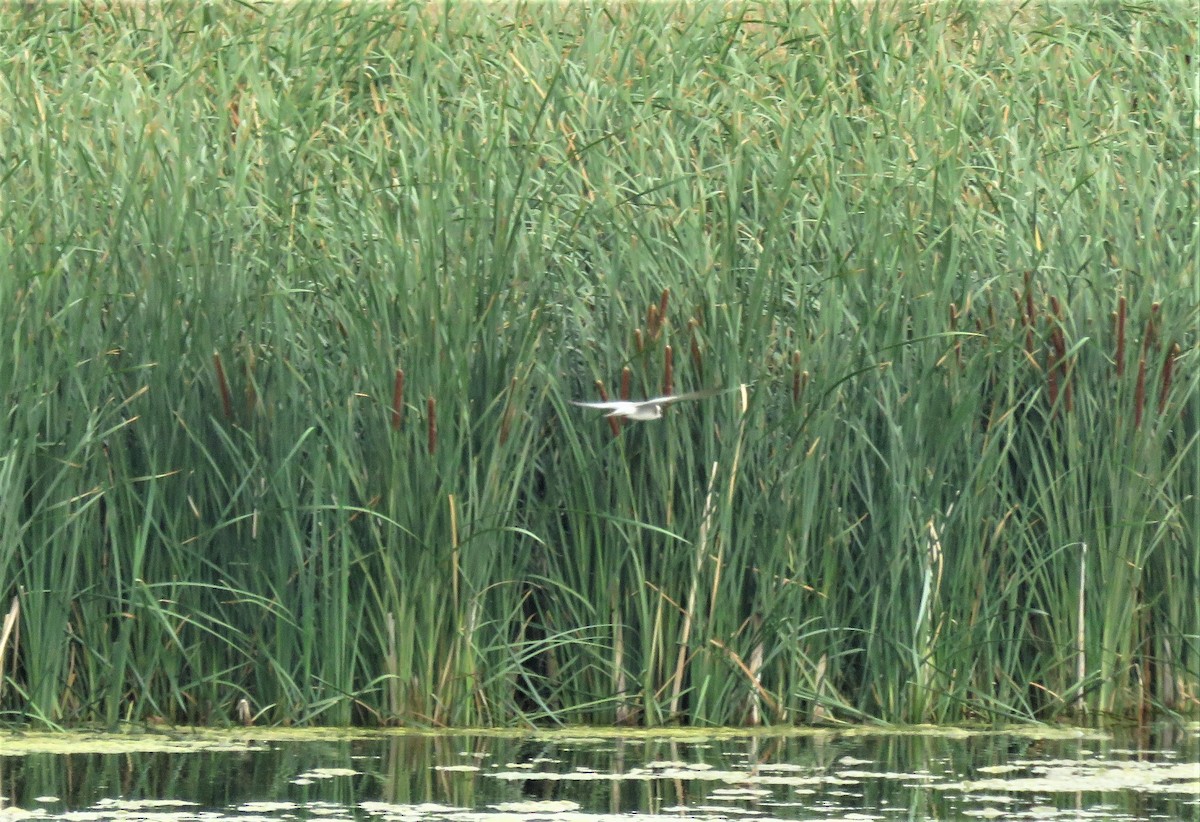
[651, 409]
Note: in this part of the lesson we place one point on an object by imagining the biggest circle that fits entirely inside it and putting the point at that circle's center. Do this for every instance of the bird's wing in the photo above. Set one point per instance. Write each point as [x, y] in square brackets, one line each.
[690, 395]
[609, 406]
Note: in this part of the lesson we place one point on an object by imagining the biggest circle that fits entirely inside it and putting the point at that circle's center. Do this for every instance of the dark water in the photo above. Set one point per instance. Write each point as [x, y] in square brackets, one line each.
[934, 774]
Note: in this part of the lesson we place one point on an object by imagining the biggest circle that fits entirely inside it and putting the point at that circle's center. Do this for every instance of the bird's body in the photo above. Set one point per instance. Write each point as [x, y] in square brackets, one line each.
[651, 409]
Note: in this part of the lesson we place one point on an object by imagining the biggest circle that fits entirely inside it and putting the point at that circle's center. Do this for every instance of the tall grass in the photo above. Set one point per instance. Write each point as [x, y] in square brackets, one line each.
[294, 299]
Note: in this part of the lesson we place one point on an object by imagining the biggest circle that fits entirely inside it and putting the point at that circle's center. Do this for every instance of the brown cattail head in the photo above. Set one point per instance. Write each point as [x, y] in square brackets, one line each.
[668, 370]
[223, 385]
[662, 304]
[626, 375]
[398, 400]
[1120, 355]
[1167, 374]
[638, 342]
[796, 378]
[1151, 329]
[431, 412]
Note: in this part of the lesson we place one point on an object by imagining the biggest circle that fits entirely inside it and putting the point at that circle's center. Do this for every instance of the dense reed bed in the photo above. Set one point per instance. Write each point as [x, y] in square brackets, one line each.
[294, 299]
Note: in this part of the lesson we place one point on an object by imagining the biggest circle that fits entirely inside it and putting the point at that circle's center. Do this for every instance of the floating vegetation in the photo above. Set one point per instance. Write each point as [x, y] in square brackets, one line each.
[414, 777]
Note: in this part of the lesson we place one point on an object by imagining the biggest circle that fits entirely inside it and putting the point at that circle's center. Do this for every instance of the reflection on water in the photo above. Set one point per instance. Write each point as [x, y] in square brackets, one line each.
[573, 777]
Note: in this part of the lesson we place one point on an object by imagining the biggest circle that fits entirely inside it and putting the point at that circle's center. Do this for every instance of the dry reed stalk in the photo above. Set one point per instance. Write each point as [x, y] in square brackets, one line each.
[685, 633]
[7, 630]
[1081, 631]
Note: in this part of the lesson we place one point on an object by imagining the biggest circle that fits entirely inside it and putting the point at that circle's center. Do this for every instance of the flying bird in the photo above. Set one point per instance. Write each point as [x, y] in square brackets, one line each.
[651, 409]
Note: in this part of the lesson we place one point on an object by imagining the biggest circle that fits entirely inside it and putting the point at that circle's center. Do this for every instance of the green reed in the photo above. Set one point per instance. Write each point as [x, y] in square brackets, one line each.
[295, 301]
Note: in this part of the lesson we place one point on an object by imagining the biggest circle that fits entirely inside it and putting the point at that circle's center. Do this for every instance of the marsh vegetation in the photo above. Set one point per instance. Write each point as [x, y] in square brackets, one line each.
[294, 299]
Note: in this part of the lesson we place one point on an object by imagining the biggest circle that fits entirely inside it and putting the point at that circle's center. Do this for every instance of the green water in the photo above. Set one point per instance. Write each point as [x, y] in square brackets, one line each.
[577, 776]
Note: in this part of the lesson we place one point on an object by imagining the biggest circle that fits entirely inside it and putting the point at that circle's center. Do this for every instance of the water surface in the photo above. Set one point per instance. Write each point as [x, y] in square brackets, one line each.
[587, 776]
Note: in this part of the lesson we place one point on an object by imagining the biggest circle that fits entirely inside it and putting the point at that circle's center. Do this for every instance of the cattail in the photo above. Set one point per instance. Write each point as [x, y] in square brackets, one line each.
[1139, 393]
[1059, 344]
[668, 370]
[638, 342]
[697, 358]
[1151, 330]
[613, 422]
[626, 382]
[431, 412]
[509, 411]
[796, 386]
[223, 384]
[1168, 372]
[1120, 337]
[1025, 321]
[398, 400]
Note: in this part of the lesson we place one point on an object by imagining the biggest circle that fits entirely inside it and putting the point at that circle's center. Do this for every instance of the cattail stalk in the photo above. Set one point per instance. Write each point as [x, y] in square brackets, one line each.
[431, 413]
[613, 422]
[509, 411]
[1167, 374]
[1120, 337]
[223, 384]
[1139, 393]
[398, 400]
[796, 384]
[251, 394]
[668, 370]
[957, 340]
